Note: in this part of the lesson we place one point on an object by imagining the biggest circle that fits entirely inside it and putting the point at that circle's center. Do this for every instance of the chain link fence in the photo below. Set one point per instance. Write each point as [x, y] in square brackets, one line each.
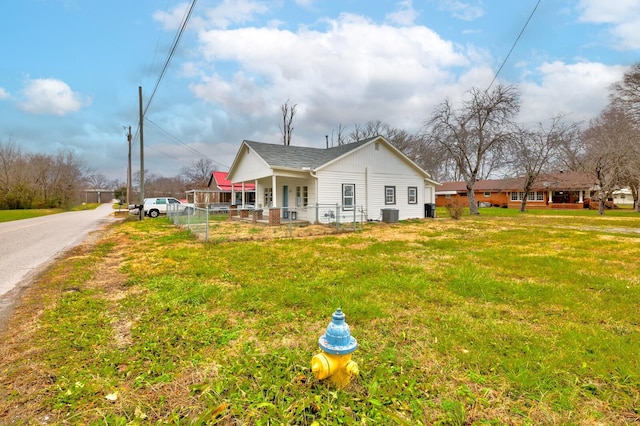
[335, 217]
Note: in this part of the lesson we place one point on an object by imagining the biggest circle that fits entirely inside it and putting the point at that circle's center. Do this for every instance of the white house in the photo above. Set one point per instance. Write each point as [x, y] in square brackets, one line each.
[356, 181]
[623, 197]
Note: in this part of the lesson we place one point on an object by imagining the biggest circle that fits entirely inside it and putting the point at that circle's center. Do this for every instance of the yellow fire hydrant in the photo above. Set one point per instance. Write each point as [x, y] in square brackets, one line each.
[334, 360]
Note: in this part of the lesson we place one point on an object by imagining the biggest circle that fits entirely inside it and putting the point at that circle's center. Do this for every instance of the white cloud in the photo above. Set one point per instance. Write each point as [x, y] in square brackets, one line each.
[404, 15]
[4, 94]
[463, 10]
[331, 75]
[223, 15]
[622, 17]
[50, 96]
[578, 90]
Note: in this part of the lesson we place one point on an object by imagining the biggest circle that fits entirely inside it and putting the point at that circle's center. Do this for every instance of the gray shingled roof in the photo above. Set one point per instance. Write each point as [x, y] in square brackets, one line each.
[299, 157]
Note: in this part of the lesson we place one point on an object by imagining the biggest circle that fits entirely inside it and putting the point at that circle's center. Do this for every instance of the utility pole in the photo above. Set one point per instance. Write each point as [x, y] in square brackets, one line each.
[141, 155]
[129, 170]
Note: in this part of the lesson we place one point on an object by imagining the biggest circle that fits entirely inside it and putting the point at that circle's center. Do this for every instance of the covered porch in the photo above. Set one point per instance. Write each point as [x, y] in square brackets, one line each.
[285, 196]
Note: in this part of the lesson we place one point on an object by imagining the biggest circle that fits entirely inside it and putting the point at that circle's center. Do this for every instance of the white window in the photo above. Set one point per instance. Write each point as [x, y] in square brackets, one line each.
[413, 195]
[348, 196]
[487, 194]
[389, 194]
[531, 196]
[302, 196]
[268, 197]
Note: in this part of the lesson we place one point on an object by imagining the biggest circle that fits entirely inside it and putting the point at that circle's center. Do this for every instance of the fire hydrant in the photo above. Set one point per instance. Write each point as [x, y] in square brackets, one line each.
[334, 360]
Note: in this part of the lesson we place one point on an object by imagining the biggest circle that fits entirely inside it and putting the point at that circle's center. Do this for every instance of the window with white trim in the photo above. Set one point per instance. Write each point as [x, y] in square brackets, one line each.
[268, 197]
[348, 196]
[302, 196]
[531, 196]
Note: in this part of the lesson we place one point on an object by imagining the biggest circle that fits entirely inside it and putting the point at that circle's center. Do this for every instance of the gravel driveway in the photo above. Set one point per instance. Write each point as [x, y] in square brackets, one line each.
[28, 246]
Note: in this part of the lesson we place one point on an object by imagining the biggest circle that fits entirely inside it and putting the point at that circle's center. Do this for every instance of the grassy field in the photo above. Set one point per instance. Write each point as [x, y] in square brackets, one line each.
[497, 319]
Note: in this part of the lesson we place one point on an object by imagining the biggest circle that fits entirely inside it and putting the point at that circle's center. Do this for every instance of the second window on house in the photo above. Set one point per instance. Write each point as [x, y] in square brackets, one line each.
[389, 195]
[413, 195]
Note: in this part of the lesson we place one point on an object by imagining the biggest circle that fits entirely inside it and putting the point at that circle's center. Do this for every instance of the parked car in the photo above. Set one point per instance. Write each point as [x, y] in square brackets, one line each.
[154, 207]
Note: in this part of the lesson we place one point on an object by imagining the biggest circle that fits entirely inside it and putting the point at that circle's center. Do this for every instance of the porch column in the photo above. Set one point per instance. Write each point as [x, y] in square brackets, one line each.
[274, 191]
[243, 194]
[581, 198]
[550, 197]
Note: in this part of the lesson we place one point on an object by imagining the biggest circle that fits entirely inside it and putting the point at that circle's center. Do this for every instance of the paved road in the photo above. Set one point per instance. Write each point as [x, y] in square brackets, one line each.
[28, 246]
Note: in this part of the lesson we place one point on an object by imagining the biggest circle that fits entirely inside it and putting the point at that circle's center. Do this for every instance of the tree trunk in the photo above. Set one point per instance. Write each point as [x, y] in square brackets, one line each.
[523, 205]
[471, 196]
[603, 200]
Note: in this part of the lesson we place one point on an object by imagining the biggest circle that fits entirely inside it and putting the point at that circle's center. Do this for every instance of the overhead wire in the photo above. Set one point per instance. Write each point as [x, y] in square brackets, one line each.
[172, 51]
[514, 44]
[183, 144]
[174, 46]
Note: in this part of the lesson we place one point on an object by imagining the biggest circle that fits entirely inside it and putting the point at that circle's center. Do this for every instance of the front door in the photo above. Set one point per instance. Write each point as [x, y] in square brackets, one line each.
[285, 201]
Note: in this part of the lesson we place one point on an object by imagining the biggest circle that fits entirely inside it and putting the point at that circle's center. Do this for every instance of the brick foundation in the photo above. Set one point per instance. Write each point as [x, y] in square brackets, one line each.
[257, 215]
[274, 216]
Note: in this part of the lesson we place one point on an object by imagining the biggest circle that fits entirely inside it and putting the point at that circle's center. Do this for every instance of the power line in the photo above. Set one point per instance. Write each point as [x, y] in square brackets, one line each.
[176, 41]
[514, 44]
[184, 145]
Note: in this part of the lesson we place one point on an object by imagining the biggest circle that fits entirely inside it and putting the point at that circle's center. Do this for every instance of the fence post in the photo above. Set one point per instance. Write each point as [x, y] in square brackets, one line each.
[206, 223]
[354, 217]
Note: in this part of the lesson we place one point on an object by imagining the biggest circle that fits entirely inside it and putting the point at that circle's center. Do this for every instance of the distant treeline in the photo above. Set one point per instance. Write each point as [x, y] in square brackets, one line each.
[29, 181]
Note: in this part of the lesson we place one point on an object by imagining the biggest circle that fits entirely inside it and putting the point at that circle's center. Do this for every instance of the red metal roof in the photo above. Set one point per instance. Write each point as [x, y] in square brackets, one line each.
[225, 185]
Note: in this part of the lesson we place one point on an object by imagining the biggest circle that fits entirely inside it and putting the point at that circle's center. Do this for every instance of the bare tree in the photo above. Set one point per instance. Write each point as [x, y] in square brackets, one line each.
[369, 130]
[474, 136]
[39, 180]
[100, 181]
[608, 140]
[571, 153]
[288, 112]
[532, 149]
[198, 173]
[626, 95]
[340, 137]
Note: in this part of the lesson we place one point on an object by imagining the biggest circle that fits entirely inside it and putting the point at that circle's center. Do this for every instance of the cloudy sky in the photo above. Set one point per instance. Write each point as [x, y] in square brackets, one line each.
[70, 69]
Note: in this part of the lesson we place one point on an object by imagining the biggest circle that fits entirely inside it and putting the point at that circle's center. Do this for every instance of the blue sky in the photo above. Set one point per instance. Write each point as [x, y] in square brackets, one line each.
[70, 69]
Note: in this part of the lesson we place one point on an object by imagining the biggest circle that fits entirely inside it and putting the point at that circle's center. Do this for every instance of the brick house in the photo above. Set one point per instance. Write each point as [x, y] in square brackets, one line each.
[562, 190]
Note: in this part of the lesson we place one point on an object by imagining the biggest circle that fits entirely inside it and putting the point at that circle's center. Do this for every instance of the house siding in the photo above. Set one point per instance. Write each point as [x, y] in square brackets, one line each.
[383, 168]
[251, 167]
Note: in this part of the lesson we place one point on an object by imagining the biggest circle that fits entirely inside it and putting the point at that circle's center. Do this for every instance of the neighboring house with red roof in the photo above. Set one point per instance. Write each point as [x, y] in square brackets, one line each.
[221, 194]
[356, 181]
[563, 190]
[224, 192]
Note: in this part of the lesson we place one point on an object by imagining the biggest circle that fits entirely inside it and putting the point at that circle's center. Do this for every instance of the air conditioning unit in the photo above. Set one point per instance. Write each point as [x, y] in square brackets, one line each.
[390, 215]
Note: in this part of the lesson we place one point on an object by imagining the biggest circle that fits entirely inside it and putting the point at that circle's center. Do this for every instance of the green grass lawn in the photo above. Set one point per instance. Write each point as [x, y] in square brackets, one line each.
[10, 215]
[496, 319]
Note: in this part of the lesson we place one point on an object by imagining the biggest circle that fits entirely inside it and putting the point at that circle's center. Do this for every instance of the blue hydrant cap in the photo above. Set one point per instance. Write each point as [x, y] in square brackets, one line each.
[338, 340]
